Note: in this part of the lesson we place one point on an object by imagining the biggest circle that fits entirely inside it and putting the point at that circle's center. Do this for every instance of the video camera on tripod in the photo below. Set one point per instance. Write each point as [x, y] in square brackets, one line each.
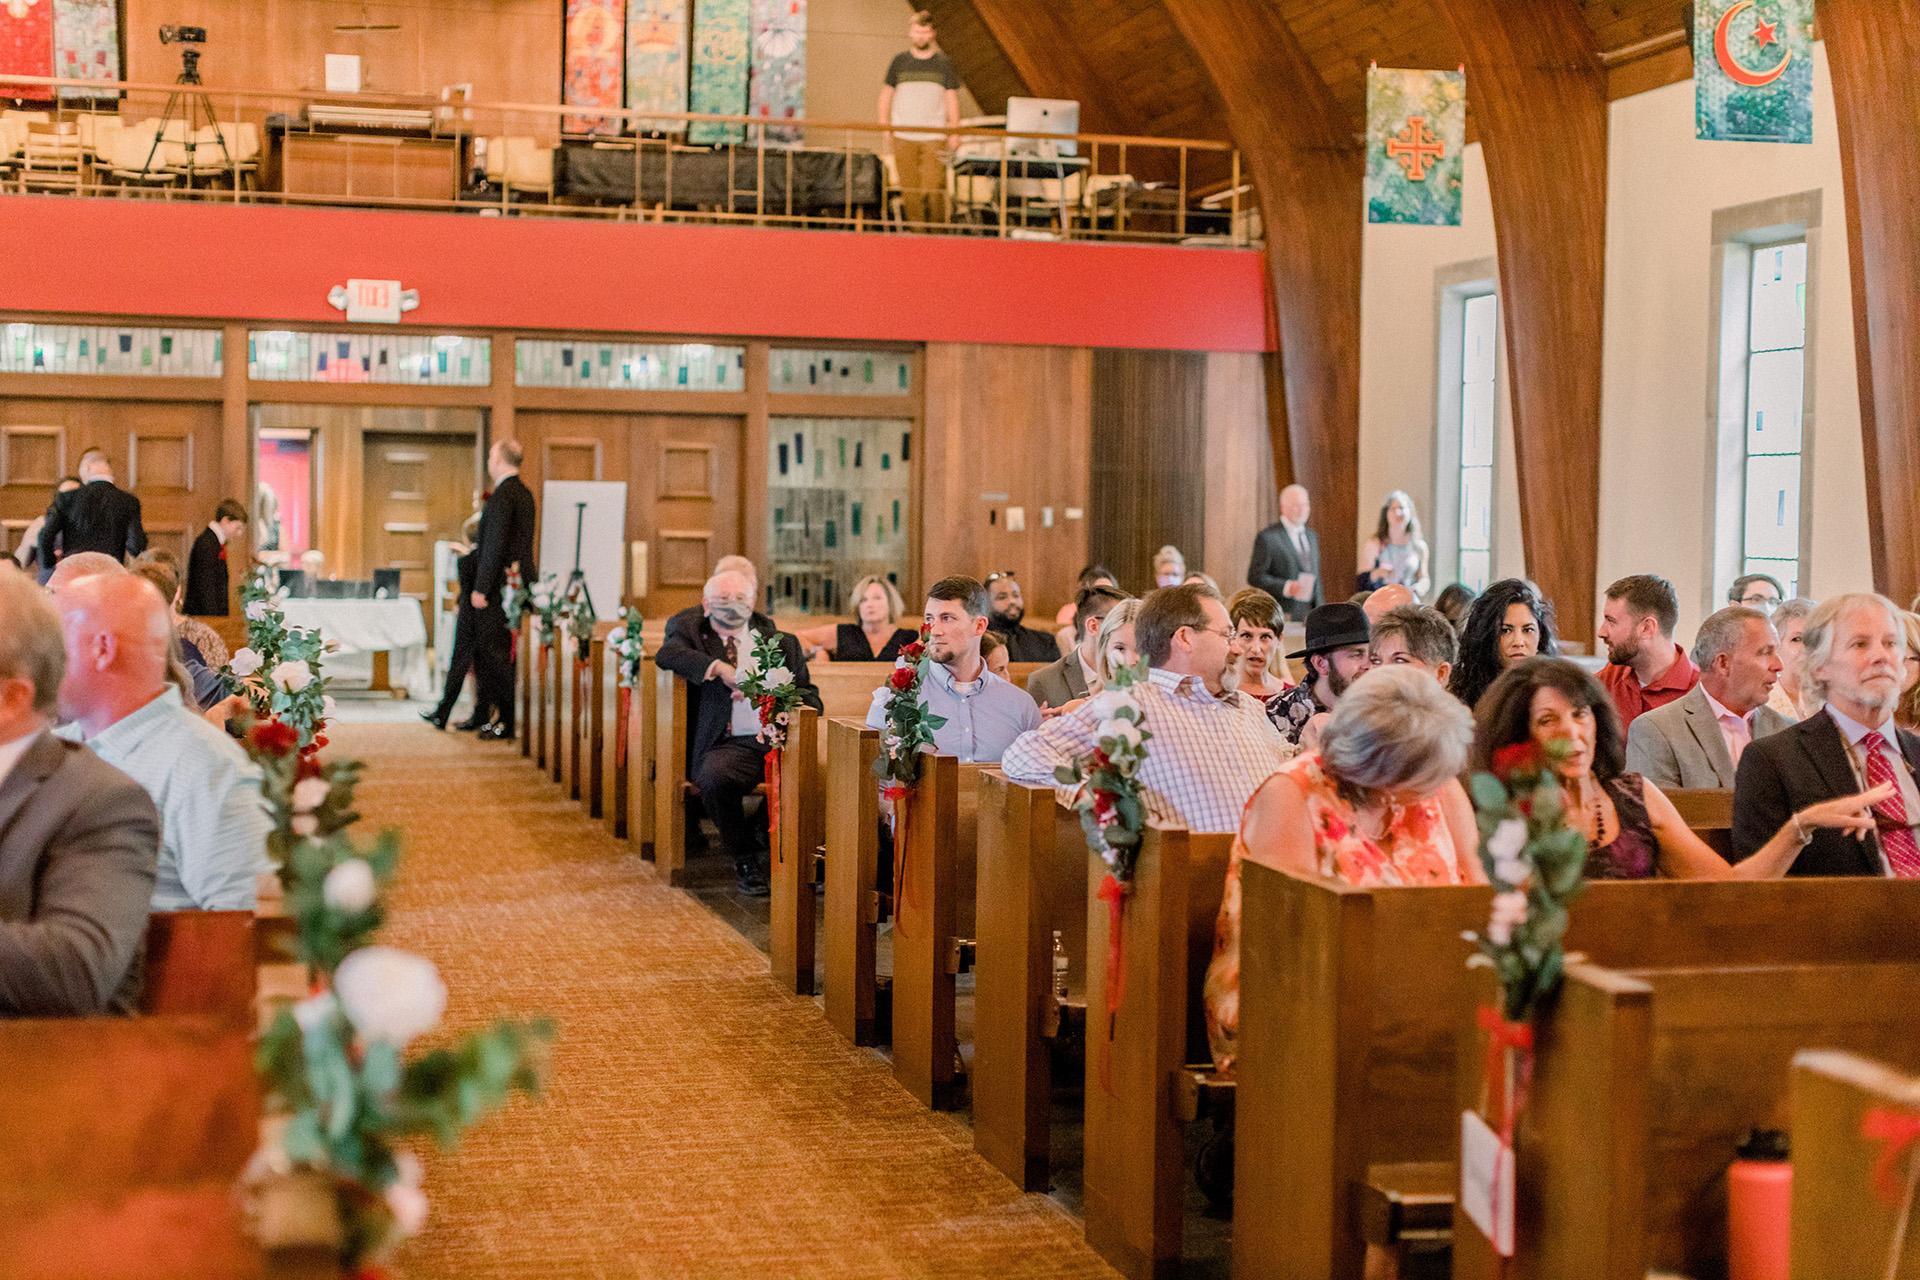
[189, 106]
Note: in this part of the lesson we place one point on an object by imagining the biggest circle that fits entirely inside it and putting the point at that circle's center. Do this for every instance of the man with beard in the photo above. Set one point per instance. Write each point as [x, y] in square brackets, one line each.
[983, 713]
[1645, 668]
[1024, 644]
[1855, 652]
[1336, 654]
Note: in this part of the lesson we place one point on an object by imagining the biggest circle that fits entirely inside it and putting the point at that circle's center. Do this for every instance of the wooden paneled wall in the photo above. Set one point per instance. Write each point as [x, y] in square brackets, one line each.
[1149, 446]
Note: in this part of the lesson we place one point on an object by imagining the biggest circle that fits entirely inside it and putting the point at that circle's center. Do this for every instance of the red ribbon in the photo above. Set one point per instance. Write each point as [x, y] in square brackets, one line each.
[1897, 1131]
[622, 715]
[896, 793]
[1501, 1036]
[1114, 893]
[771, 763]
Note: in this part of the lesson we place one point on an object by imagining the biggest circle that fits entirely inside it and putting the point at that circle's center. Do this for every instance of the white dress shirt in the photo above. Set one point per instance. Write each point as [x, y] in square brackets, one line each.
[1089, 673]
[1852, 731]
[1206, 757]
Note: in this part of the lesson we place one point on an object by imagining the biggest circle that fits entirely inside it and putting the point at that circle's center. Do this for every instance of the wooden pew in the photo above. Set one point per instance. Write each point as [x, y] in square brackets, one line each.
[1135, 1168]
[201, 964]
[612, 753]
[1030, 886]
[586, 718]
[1349, 1000]
[559, 662]
[669, 776]
[933, 927]
[1842, 1224]
[526, 658]
[853, 859]
[231, 628]
[1710, 813]
[1644, 1082]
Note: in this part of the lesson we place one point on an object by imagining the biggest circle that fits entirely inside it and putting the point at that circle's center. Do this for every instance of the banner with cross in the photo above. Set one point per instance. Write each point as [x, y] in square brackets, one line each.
[1753, 70]
[1416, 131]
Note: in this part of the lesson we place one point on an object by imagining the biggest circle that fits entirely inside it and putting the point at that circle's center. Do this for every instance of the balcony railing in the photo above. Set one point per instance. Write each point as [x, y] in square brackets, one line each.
[184, 142]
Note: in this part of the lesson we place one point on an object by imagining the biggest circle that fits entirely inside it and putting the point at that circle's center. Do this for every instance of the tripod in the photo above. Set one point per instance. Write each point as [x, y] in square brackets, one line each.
[577, 592]
[188, 103]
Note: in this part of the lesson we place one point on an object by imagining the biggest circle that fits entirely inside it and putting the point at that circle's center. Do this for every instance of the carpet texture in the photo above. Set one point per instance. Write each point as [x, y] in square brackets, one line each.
[698, 1122]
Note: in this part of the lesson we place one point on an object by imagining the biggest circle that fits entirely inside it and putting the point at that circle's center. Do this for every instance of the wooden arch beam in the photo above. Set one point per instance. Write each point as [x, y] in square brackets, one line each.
[1306, 164]
[1047, 55]
[1540, 101]
[1872, 49]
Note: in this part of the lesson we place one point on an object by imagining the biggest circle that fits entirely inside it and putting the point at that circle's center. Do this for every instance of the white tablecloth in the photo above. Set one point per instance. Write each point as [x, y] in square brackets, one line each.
[357, 628]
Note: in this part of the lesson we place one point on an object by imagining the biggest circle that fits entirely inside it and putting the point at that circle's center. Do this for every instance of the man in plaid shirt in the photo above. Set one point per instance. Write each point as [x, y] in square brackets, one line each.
[1211, 746]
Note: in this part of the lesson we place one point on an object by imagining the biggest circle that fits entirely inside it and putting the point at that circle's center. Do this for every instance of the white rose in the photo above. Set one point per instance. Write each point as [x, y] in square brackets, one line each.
[1512, 871]
[309, 794]
[349, 887]
[406, 1167]
[1499, 933]
[313, 1012]
[1108, 701]
[244, 663]
[257, 611]
[304, 825]
[1508, 839]
[1124, 730]
[390, 995]
[292, 676]
[779, 678]
[408, 1205]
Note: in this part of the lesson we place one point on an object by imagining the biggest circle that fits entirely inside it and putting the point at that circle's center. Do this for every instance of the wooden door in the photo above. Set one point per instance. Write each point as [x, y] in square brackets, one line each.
[418, 490]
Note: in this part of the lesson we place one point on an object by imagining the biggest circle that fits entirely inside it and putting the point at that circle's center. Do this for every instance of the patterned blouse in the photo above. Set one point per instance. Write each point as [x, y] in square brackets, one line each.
[1415, 849]
[1291, 710]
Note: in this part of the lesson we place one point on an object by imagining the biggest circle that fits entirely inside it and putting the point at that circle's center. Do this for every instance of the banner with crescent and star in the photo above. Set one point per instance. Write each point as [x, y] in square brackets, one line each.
[1416, 130]
[1753, 70]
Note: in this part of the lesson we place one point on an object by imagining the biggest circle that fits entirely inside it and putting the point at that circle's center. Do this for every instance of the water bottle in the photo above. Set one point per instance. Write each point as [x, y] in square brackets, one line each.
[1759, 1192]
[1059, 967]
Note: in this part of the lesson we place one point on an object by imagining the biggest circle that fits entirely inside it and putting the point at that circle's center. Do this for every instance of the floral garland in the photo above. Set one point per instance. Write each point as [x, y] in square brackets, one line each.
[549, 607]
[908, 727]
[1535, 863]
[1113, 813]
[576, 608]
[769, 685]
[513, 603]
[629, 649]
[278, 670]
[341, 1093]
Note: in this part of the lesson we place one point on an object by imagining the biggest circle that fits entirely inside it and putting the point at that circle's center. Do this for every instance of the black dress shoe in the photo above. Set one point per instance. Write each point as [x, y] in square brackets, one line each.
[437, 719]
[470, 724]
[495, 733]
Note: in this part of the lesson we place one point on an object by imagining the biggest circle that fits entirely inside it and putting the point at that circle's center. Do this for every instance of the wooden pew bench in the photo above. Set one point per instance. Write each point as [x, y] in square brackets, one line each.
[1644, 1082]
[1349, 1004]
[1843, 1224]
[853, 901]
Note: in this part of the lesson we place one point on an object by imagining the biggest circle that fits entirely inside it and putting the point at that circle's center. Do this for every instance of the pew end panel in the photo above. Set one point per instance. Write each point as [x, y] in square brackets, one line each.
[853, 860]
[525, 680]
[559, 669]
[202, 964]
[642, 741]
[792, 912]
[1029, 887]
[1842, 1223]
[932, 921]
[670, 776]
[1135, 1165]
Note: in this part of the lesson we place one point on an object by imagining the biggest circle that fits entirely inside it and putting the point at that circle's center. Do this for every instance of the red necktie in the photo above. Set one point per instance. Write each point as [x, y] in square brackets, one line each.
[1896, 837]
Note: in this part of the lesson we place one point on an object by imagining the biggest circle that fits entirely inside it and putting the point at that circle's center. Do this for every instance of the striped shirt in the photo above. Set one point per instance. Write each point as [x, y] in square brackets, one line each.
[1206, 757]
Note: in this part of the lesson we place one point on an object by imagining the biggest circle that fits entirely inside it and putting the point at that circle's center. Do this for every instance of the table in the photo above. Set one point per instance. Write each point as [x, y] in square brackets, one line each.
[798, 181]
[1051, 186]
[364, 160]
[390, 630]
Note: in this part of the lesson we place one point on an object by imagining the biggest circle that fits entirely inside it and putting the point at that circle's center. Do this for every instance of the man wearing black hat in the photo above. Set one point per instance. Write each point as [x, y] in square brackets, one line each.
[1336, 654]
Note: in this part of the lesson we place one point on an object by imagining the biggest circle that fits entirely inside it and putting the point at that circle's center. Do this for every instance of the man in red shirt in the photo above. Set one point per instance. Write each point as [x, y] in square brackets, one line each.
[1645, 668]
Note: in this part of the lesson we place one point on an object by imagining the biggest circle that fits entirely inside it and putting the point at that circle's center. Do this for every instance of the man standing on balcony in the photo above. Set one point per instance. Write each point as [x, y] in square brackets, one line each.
[923, 91]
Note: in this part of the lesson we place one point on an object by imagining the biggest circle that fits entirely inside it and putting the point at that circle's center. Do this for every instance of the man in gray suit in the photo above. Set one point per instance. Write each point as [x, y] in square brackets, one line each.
[79, 840]
[1696, 740]
[1076, 675]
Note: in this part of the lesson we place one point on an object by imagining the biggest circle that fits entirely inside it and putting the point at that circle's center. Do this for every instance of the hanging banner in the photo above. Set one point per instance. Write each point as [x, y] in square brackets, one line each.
[86, 44]
[594, 38]
[721, 57]
[26, 46]
[657, 61]
[779, 88]
[1416, 131]
[1753, 70]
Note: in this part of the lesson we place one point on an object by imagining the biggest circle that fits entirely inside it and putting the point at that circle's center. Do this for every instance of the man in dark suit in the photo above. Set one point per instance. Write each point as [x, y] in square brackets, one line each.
[79, 840]
[98, 516]
[1855, 648]
[506, 539]
[725, 759]
[1286, 557]
[207, 586]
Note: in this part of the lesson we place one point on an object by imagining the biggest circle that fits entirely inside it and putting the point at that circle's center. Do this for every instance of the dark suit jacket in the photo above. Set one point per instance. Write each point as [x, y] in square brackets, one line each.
[691, 646]
[1024, 644]
[1059, 682]
[95, 517]
[206, 578]
[79, 841]
[1785, 772]
[1276, 563]
[505, 538]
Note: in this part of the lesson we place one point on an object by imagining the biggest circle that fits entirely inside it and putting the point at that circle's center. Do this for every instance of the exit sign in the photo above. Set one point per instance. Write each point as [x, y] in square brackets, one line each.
[373, 301]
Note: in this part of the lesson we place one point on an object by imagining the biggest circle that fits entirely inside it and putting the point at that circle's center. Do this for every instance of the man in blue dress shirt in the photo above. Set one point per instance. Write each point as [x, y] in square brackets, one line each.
[983, 712]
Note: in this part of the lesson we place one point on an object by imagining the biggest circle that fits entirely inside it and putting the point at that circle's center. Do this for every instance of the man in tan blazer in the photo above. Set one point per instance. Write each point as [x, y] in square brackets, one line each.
[79, 840]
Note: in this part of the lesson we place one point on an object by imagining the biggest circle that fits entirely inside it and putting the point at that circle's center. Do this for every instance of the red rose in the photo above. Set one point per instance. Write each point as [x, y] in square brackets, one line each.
[901, 677]
[1103, 806]
[274, 738]
[1516, 758]
[1098, 759]
[912, 652]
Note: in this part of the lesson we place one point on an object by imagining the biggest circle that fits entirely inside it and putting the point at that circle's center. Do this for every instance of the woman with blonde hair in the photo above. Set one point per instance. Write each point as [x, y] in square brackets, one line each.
[1906, 712]
[1397, 553]
[874, 636]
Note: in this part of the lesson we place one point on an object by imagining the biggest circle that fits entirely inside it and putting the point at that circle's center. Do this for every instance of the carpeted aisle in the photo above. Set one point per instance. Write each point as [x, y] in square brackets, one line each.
[699, 1122]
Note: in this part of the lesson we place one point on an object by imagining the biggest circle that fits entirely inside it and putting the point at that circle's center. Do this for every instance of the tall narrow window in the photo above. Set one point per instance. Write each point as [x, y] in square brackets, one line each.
[1479, 342]
[1776, 369]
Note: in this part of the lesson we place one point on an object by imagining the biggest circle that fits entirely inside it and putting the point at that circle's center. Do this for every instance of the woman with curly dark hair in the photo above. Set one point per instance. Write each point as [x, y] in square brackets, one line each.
[1509, 623]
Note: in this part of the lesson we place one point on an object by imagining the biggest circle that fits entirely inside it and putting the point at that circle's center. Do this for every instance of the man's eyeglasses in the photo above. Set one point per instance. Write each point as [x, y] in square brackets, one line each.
[1225, 633]
[1766, 604]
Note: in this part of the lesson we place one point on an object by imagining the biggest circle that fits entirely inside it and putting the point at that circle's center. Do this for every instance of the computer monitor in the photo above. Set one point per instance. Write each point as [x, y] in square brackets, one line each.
[1043, 115]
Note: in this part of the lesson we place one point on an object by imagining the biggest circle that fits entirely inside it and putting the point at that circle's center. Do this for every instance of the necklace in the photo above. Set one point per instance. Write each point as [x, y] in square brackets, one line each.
[1598, 840]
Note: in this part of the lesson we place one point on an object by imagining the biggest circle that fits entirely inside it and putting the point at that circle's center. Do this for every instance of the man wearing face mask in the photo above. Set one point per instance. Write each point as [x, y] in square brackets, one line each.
[725, 757]
[1024, 644]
